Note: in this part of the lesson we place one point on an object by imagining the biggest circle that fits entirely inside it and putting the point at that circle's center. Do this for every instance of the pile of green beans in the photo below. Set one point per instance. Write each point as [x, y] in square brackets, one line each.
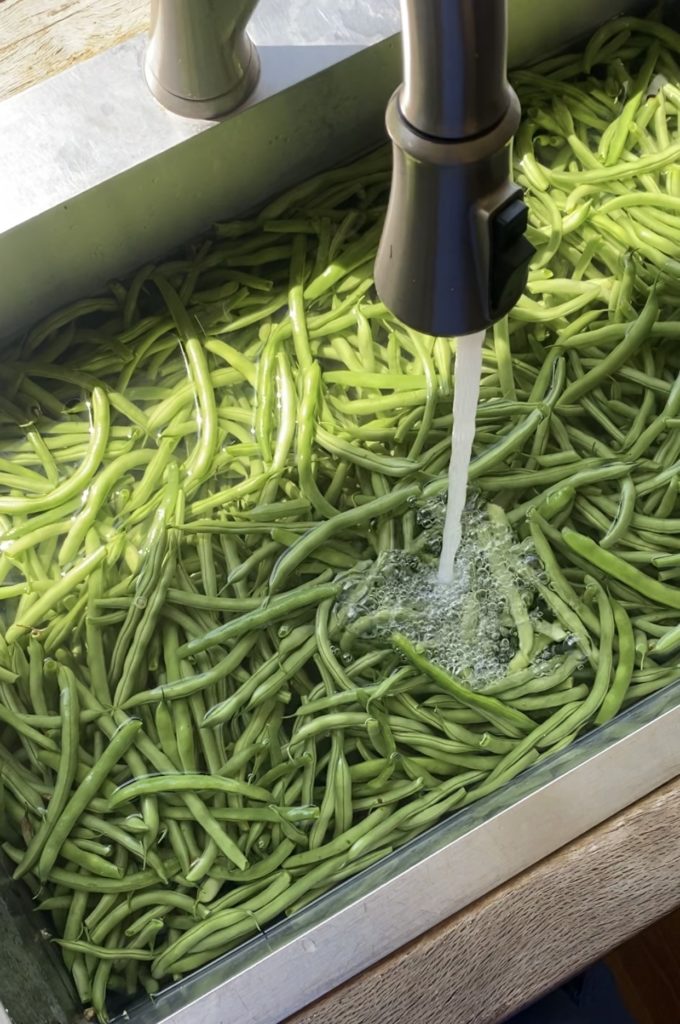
[191, 742]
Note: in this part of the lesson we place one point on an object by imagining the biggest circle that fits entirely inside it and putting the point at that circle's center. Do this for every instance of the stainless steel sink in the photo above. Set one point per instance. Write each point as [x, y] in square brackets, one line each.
[95, 178]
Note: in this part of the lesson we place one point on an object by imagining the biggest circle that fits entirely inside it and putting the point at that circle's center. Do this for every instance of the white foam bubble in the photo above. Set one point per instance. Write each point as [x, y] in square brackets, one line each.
[465, 625]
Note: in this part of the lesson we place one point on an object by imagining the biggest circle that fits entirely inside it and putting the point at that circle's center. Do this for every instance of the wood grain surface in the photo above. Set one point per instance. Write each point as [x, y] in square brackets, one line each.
[39, 38]
[531, 934]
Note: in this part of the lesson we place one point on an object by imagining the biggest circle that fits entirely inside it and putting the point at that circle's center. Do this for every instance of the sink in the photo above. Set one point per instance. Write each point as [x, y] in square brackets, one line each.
[95, 179]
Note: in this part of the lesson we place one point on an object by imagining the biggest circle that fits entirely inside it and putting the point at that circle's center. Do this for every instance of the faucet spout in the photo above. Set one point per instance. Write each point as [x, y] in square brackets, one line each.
[200, 61]
[453, 258]
[455, 83]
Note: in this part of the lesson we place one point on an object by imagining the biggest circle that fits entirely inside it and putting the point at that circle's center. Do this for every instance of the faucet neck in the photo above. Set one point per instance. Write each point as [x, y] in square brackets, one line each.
[455, 66]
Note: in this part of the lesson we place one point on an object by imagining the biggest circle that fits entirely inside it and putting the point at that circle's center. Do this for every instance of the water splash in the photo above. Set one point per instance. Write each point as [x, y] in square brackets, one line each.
[465, 624]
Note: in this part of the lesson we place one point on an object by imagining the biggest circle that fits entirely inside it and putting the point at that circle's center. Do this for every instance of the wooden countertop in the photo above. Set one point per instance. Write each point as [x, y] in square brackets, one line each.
[40, 38]
[543, 926]
[525, 938]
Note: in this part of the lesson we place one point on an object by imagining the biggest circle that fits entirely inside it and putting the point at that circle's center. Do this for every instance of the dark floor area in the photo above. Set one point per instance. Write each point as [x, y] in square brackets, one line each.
[638, 983]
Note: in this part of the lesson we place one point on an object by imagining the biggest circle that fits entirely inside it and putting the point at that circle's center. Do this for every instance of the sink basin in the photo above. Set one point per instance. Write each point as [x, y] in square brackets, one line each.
[95, 179]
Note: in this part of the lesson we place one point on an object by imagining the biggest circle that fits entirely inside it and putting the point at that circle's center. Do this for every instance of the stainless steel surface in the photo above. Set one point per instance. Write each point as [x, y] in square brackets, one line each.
[200, 61]
[34, 988]
[94, 169]
[391, 904]
[455, 63]
[78, 130]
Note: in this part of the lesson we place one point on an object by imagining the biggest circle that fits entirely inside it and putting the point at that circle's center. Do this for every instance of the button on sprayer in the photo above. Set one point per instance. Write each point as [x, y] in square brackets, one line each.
[453, 258]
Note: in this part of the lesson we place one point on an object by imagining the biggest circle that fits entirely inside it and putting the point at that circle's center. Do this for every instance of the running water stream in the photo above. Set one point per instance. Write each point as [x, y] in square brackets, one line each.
[468, 372]
[464, 610]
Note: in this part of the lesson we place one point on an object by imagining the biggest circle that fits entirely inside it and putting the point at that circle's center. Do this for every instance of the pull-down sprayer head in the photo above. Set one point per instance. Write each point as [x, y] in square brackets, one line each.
[453, 258]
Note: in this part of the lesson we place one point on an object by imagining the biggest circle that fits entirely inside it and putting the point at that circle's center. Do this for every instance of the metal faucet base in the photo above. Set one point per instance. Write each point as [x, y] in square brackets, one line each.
[200, 61]
[214, 107]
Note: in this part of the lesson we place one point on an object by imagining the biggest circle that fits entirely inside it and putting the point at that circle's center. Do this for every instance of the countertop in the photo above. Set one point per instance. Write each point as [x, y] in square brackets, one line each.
[526, 937]
[39, 38]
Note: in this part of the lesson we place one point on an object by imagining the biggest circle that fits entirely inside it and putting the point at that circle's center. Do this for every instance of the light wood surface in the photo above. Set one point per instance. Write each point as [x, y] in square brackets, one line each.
[530, 935]
[39, 38]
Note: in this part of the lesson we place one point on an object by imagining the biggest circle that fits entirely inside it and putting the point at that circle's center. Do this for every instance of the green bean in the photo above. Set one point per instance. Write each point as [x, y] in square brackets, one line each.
[296, 306]
[593, 702]
[159, 902]
[311, 384]
[130, 882]
[526, 682]
[614, 566]
[493, 709]
[541, 702]
[90, 785]
[92, 863]
[273, 430]
[207, 603]
[77, 481]
[616, 696]
[145, 629]
[329, 723]
[657, 426]
[56, 593]
[161, 763]
[449, 790]
[19, 724]
[66, 771]
[275, 609]
[96, 496]
[296, 554]
[73, 926]
[271, 676]
[177, 782]
[668, 642]
[123, 840]
[184, 736]
[182, 687]
[104, 952]
[215, 923]
[624, 515]
[669, 499]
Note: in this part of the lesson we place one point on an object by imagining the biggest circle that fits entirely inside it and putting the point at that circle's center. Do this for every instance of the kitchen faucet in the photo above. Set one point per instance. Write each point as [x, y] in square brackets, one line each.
[453, 258]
